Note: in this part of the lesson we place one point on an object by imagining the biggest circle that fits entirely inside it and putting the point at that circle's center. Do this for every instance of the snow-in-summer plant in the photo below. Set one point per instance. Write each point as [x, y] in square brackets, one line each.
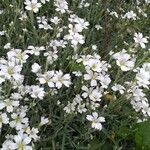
[74, 74]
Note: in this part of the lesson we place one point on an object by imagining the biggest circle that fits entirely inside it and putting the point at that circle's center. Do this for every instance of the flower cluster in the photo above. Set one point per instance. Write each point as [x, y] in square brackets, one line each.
[63, 64]
[139, 100]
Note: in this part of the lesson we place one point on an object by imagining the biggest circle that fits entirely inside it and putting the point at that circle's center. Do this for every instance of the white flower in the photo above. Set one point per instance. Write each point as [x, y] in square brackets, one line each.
[87, 91]
[146, 67]
[93, 94]
[94, 47]
[113, 13]
[32, 5]
[54, 44]
[61, 5]
[70, 108]
[94, 105]
[19, 120]
[8, 145]
[76, 39]
[92, 76]
[98, 27]
[7, 46]
[2, 33]
[81, 108]
[96, 121]
[9, 104]
[130, 15]
[43, 23]
[1, 11]
[145, 108]
[77, 73]
[51, 56]
[104, 80]
[124, 60]
[44, 121]
[60, 79]
[118, 87]
[55, 20]
[77, 99]
[94, 65]
[36, 67]
[23, 16]
[137, 92]
[47, 77]
[22, 141]
[37, 92]
[3, 119]
[32, 133]
[143, 78]
[42, 19]
[45, 26]
[139, 39]
[35, 50]
[17, 56]
[11, 70]
[143, 75]
[81, 24]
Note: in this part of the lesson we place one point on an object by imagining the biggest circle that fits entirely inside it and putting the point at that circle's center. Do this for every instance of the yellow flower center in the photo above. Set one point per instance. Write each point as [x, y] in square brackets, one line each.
[33, 6]
[18, 119]
[10, 71]
[21, 146]
[122, 63]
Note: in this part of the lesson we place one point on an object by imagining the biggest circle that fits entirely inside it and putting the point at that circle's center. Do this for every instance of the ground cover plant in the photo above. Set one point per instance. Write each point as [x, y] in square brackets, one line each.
[74, 75]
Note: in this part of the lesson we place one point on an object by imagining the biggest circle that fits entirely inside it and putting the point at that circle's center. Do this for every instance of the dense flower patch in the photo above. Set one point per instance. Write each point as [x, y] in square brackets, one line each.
[72, 72]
